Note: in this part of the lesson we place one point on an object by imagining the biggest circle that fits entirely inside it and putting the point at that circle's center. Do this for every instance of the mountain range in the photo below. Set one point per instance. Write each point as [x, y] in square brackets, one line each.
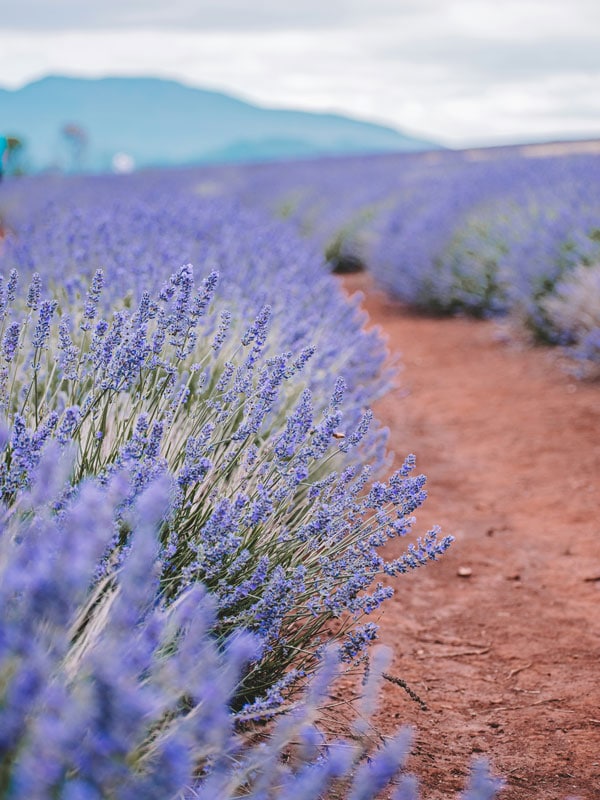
[99, 124]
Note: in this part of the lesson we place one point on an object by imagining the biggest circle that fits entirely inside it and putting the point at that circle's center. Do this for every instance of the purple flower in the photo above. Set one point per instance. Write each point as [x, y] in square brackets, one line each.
[222, 331]
[42, 328]
[11, 341]
[33, 294]
[93, 298]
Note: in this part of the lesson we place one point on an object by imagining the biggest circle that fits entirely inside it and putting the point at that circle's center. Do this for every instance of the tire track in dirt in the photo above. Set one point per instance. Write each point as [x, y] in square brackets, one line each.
[507, 659]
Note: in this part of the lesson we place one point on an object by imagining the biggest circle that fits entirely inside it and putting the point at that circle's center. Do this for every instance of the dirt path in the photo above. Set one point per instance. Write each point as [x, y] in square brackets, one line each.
[507, 659]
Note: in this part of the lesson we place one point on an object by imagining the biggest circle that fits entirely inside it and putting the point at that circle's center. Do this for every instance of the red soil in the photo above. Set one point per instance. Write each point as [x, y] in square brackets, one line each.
[501, 638]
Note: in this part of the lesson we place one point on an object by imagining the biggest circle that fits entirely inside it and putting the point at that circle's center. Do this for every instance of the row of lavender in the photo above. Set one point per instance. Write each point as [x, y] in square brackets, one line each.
[478, 233]
[186, 501]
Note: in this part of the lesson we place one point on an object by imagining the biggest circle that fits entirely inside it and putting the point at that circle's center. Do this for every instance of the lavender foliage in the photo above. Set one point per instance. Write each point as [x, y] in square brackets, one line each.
[271, 507]
[186, 502]
[109, 691]
[140, 231]
[480, 233]
[572, 314]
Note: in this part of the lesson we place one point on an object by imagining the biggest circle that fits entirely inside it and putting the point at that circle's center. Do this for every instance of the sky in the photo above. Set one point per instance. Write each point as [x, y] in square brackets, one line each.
[460, 72]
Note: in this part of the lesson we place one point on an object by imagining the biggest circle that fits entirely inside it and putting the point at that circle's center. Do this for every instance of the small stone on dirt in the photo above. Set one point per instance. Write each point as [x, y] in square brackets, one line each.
[464, 572]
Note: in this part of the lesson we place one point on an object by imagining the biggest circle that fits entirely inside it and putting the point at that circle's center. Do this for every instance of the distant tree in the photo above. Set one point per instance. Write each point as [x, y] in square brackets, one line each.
[3, 154]
[14, 157]
[76, 139]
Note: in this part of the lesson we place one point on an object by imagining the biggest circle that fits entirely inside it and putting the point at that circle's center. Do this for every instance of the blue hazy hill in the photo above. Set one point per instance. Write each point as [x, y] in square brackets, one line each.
[161, 122]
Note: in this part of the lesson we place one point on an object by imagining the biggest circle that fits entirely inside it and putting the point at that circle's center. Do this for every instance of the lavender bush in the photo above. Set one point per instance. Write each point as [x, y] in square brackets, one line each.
[271, 506]
[483, 234]
[533, 236]
[141, 230]
[108, 690]
[572, 312]
[443, 231]
[185, 503]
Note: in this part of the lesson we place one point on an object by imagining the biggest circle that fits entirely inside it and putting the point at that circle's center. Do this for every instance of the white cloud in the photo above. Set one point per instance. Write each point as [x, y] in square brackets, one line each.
[200, 15]
[461, 72]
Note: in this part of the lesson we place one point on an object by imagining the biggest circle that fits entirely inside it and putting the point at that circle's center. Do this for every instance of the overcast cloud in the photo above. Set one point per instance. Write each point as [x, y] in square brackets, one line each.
[223, 15]
[462, 72]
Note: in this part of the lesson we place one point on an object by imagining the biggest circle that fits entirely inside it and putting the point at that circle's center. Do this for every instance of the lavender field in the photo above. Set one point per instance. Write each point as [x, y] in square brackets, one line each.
[507, 231]
[196, 495]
